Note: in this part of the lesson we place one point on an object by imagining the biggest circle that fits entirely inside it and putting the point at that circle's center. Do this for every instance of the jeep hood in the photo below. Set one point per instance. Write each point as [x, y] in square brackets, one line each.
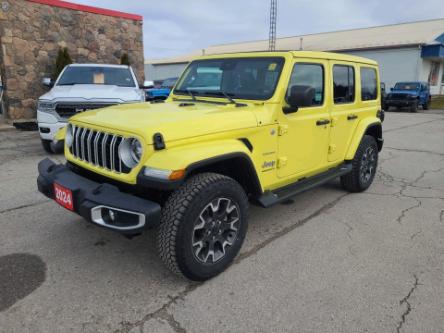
[93, 92]
[172, 120]
[405, 92]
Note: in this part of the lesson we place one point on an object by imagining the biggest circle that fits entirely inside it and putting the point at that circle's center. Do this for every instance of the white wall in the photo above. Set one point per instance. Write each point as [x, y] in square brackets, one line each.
[402, 64]
[160, 72]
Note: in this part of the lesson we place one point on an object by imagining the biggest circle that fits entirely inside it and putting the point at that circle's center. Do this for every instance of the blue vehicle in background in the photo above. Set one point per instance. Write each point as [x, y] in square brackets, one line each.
[408, 94]
[163, 91]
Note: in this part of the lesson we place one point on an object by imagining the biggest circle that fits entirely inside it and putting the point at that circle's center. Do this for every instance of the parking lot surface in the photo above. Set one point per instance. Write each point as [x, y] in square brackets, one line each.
[328, 261]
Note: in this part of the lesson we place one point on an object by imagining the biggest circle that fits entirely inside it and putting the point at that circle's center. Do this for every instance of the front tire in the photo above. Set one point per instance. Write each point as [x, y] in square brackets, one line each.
[414, 107]
[203, 226]
[53, 148]
[46, 144]
[364, 166]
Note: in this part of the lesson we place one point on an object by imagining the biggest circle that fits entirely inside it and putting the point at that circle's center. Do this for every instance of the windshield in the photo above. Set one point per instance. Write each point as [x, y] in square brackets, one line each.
[406, 86]
[169, 83]
[121, 77]
[244, 78]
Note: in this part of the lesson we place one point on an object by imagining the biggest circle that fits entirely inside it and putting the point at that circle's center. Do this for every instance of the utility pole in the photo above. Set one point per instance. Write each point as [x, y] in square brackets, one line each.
[273, 18]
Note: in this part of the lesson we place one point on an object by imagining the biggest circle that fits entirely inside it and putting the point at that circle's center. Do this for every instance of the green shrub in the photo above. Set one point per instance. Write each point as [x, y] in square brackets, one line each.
[63, 59]
[124, 59]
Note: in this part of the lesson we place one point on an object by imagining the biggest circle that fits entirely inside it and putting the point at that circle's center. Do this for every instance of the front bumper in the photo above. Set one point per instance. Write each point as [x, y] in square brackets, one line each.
[49, 125]
[400, 102]
[93, 200]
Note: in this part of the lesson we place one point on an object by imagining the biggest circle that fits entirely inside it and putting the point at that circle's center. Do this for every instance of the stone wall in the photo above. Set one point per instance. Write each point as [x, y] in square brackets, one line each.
[32, 33]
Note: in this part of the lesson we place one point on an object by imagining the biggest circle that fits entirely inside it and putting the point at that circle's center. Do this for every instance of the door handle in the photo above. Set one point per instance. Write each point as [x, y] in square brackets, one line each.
[322, 122]
[352, 117]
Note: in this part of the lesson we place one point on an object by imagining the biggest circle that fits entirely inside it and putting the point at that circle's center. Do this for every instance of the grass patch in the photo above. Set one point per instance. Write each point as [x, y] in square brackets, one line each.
[438, 102]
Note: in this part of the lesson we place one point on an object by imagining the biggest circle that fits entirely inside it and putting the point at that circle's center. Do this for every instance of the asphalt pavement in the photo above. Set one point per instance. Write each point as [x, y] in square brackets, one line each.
[327, 261]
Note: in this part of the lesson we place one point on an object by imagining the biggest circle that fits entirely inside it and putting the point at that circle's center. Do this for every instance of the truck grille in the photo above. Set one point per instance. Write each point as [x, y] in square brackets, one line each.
[98, 149]
[398, 96]
[67, 110]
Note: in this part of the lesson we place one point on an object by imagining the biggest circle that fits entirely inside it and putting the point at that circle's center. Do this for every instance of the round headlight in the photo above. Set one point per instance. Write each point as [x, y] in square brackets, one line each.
[130, 152]
[69, 136]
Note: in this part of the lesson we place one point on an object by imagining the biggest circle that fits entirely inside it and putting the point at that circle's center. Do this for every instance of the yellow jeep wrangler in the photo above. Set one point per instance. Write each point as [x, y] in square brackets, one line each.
[239, 128]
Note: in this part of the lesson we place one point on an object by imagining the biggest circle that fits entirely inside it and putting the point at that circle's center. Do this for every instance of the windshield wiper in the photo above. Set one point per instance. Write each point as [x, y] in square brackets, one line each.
[192, 94]
[188, 91]
[227, 96]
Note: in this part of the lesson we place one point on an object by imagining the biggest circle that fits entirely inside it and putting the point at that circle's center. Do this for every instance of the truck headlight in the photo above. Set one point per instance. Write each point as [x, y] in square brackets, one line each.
[69, 136]
[130, 152]
[45, 106]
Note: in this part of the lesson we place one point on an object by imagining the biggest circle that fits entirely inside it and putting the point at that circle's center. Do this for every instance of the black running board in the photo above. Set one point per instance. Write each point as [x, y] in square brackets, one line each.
[272, 198]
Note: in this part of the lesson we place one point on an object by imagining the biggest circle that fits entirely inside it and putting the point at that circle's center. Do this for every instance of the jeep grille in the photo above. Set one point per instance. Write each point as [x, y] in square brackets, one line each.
[98, 149]
[67, 110]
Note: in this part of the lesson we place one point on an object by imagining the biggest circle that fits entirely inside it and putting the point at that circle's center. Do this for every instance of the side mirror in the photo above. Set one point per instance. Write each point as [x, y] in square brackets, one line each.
[47, 82]
[300, 96]
[391, 89]
[147, 85]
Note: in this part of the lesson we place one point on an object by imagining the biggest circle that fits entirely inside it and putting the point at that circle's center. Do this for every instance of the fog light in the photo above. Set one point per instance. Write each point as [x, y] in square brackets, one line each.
[116, 218]
[109, 216]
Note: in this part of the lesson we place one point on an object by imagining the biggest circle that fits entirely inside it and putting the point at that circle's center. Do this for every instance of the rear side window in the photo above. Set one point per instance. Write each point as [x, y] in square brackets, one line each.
[344, 84]
[369, 89]
[309, 76]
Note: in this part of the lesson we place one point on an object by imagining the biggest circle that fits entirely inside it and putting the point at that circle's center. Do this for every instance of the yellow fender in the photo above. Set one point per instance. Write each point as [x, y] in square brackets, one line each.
[60, 135]
[181, 157]
[359, 133]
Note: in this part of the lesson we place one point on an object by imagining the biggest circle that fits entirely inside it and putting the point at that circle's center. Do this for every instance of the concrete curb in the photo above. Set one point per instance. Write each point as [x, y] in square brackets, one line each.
[7, 128]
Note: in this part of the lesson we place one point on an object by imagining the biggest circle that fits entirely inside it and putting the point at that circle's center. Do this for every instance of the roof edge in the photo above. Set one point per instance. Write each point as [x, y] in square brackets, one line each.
[326, 32]
[88, 9]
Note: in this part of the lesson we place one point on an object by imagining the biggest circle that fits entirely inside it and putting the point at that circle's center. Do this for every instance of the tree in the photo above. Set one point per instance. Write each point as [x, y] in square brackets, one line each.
[124, 59]
[63, 59]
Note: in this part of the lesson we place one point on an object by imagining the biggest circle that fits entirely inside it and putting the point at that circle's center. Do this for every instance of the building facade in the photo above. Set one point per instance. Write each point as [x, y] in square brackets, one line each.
[33, 31]
[405, 52]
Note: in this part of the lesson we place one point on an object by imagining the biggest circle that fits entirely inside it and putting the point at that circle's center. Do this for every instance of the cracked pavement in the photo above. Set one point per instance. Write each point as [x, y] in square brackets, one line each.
[326, 261]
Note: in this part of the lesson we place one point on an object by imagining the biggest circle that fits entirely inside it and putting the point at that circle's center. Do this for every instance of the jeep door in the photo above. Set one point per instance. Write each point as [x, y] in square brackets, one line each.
[355, 96]
[304, 133]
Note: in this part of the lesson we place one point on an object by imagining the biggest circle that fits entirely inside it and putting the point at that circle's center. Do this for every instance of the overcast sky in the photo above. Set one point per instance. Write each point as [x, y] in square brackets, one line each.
[174, 27]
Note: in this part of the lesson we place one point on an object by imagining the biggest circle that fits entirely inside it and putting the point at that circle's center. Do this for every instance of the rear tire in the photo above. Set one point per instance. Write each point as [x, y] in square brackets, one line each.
[426, 106]
[364, 166]
[203, 226]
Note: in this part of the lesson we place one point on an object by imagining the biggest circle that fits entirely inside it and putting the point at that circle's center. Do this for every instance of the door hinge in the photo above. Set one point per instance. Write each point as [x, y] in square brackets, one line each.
[281, 162]
[334, 121]
[331, 149]
[282, 129]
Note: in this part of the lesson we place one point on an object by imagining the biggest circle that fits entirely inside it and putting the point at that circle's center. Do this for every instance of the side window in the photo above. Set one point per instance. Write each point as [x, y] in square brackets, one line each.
[344, 84]
[308, 77]
[368, 84]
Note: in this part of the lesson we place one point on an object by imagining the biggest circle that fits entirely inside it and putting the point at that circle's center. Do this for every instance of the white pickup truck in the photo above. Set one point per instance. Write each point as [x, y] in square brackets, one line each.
[82, 87]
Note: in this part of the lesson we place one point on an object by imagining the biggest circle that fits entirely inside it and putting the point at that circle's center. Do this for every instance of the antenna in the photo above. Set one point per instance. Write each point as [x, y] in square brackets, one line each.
[273, 18]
